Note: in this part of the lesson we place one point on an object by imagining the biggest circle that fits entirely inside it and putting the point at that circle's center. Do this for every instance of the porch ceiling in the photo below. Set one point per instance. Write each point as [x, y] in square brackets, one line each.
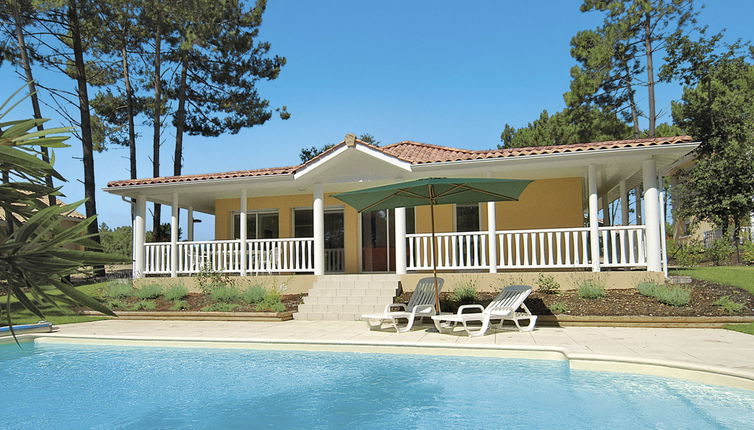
[355, 168]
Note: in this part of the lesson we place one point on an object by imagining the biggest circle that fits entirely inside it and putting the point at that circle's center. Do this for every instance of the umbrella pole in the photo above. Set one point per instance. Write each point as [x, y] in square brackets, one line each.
[434, 258]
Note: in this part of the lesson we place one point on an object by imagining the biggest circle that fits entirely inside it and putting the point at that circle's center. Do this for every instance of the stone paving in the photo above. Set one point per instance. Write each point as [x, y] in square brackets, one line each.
[713, 348]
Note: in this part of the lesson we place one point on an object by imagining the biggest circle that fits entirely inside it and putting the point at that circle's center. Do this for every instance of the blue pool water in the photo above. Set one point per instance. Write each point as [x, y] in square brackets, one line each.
[57, 386]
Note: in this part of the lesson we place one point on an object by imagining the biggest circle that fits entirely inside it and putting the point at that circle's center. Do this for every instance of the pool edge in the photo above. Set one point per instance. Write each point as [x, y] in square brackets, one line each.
[700, 373]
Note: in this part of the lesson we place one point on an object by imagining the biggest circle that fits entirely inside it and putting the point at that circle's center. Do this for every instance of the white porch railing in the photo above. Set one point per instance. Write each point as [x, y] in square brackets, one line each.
[263, 256]
[622, 246]
[334, 259]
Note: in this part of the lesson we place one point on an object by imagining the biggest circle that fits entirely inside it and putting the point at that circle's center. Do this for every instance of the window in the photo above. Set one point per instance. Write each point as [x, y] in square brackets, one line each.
[467, 218]
[259, 225]
[303, 226]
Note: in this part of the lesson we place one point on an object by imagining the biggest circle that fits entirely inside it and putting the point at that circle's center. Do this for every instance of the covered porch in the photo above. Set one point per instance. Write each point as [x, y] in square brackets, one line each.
[294, 227]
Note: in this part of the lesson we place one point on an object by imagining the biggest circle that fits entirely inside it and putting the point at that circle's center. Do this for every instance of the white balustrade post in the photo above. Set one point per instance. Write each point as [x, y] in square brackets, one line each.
[139, 232]
[623, 203]
[652, 215]
[594, 225]
[400, 241]
[492, 236]
[244, 234]
[318, 215]
[174, 237]
[190, 226]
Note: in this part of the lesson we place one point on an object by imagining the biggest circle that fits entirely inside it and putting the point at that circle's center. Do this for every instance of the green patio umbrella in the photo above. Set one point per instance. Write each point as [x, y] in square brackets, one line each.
[434, 191]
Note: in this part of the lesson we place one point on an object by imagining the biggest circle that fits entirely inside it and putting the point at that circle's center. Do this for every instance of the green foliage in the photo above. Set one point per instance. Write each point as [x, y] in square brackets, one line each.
[118, 289]
[149, 291]
[179, 305]
[737, 276]
[272, 302]
[143, 305]
[465, 290]
[116, 241]
[221, 307]
[743, 328]
[687, 254]
[558, 308]
[720, 251]
[565, 128]
[719, 112]
[209, 280]
[254, 294]
[546, 284]
[669, 295]
[175, 292]
[747, 256]
[729, 306]
[36, 250]
[590, 289]
[116, 304]
[225, 294]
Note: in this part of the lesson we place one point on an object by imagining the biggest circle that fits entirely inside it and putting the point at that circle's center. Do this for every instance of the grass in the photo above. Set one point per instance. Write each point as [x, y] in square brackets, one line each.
[590, 289]
[737, 276]
[669, 295]
[62, 315]
[743, 328]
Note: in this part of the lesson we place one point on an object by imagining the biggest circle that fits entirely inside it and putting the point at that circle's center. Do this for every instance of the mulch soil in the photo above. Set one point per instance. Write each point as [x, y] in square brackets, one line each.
[626, 302]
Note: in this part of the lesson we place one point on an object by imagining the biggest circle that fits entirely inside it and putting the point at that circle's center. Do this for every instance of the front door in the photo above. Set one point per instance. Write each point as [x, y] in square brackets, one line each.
[303, 226]
[378, 239]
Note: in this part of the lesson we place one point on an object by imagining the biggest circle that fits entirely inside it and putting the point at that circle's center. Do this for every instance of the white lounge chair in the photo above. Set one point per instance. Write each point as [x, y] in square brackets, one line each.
[421, 304]
[503, 307]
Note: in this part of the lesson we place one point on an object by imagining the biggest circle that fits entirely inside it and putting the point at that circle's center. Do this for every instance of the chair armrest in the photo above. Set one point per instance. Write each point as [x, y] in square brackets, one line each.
[421, 308]
[474, 306]
[400, 305]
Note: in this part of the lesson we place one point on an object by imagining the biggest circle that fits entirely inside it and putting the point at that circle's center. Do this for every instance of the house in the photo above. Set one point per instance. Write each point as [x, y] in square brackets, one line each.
[295, 227]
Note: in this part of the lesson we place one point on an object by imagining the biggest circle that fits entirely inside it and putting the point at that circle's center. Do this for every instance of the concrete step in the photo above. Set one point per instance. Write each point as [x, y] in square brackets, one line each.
[318, 316]
[336, 309]
[350, 300]
[332, 292]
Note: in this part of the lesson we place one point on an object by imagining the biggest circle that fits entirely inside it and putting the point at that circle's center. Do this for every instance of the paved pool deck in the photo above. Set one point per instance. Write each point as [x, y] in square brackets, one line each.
[717, 351]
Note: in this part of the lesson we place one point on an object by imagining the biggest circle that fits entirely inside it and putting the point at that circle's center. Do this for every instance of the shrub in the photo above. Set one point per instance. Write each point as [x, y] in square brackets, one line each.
[175, 292]
[747, 254]
[179, 305]
[465, 290]
[119, 289]
[225, 294]
[669, 295]
[116, 304]
[591, 289]
[546, 284]
[221, 307]
[143, 305]
[254, 294]
[558, 308]
[720, 251]
[728, 305]
[271, 302]
[149, 291]
[209, 280]
[689, 254]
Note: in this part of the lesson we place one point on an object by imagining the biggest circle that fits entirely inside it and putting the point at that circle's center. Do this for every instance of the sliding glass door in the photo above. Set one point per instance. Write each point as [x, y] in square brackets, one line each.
[303, 226]
[378, 239]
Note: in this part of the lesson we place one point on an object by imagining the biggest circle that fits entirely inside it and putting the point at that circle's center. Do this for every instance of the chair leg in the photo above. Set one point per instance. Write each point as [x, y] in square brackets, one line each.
[482, 330]
[409, 324]
[372, 326]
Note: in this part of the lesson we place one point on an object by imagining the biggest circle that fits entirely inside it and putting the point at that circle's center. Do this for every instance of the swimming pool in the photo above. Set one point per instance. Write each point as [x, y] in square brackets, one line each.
[59, 386]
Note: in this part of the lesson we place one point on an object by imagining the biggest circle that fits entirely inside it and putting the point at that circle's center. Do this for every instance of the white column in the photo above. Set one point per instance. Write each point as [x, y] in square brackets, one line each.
[400, 241]
[190, 226]
[606, 211]
[594, 239]
[492, 236]
[139, 233]
[318, 215]
[652, 215]
[174, 237]
[623, 203]
[243, 233]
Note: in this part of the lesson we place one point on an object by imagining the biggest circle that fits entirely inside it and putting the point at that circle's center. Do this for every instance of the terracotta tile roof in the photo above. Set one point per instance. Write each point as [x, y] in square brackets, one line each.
[420, 153]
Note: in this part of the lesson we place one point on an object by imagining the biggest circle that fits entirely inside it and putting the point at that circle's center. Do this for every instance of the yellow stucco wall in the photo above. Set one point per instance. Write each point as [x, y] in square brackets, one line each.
[550, 203]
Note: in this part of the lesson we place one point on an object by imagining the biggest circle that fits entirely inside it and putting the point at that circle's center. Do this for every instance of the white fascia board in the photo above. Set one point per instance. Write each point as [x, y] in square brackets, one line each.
[168, 186]
[596, 155]
[358, 147]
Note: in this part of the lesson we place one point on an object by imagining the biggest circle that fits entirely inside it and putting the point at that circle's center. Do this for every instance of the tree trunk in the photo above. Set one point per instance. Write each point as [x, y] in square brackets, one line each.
[130, 113]
[86, 125]
[650, 75]
[26, 64]
[156, 119]
[180, 116]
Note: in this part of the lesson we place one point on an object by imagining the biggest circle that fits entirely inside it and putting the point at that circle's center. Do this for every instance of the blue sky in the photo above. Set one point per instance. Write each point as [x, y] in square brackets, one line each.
[441, 72]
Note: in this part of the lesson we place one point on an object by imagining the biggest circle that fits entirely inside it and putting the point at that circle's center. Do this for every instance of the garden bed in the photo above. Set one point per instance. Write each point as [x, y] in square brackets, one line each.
[623, 302]
[196, 302]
